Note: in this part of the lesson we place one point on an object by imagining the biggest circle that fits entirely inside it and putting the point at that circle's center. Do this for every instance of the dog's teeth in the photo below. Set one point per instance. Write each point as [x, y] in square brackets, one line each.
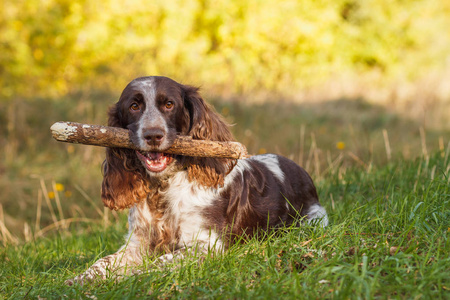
[155, 161]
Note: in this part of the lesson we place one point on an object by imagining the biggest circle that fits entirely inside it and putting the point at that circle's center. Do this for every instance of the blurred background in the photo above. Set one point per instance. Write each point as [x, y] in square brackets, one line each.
[331, 84]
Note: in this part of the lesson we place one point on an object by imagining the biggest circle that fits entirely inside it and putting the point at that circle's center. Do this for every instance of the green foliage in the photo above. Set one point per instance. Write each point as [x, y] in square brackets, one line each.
[388, 238]
[49, 48]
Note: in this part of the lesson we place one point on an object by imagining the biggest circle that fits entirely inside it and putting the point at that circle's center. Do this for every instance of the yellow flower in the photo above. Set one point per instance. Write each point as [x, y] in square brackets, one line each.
[67, 194]
[59, 187]
[70, 149]
[51, 195]
[225, 111]
[340, 145]
[262, 151]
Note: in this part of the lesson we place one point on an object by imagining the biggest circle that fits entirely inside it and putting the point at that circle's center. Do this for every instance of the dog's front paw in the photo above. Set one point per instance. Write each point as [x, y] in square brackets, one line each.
[70, 282]
[84, 278]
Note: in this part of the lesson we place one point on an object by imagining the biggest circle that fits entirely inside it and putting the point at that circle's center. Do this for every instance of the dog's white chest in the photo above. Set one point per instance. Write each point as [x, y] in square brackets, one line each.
[186, 202]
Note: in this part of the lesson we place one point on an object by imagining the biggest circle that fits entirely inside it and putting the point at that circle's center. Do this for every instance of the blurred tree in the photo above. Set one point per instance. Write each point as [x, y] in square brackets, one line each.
[52, 47]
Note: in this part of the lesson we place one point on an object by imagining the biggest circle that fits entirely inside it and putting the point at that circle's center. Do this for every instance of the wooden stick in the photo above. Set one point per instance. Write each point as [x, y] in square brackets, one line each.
[115, 137]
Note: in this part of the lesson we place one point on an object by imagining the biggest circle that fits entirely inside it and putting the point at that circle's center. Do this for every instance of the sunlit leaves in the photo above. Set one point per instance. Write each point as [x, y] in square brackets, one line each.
[49, 48]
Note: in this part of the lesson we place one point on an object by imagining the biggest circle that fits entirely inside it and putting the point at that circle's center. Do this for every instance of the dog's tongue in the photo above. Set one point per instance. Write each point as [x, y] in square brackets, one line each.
[155, 161]
[154, 155]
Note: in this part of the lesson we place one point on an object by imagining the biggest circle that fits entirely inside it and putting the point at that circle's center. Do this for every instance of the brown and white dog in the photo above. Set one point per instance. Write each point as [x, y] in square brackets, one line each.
[179, 203]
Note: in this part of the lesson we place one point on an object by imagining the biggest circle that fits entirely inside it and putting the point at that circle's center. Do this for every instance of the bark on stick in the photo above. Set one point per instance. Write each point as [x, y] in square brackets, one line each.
[114, 137]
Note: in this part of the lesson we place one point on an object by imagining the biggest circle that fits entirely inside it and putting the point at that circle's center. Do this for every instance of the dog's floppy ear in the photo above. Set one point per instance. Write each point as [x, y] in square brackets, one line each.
[205, 124]
[122, 187]
[123, 182]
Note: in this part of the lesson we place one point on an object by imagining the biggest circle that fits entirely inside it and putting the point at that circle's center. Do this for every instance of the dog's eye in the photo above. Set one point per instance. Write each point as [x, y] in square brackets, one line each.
[134, 106]
[169, 105]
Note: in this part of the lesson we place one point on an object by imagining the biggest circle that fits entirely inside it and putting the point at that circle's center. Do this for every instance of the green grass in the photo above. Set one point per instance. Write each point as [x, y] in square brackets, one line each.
[389, 237]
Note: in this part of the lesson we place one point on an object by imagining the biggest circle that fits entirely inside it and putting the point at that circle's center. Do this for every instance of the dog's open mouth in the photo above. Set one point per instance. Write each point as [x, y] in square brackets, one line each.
[155, 161]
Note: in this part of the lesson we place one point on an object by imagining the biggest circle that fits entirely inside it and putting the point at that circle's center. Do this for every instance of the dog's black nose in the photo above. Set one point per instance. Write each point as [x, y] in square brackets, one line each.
[153, 136]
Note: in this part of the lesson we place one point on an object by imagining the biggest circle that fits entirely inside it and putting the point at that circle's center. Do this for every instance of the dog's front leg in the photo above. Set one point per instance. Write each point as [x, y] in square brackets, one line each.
[191, 253]
[117, 264]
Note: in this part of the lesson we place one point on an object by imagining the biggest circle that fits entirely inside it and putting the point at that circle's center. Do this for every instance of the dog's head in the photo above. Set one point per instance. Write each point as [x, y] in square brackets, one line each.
[156, 110]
